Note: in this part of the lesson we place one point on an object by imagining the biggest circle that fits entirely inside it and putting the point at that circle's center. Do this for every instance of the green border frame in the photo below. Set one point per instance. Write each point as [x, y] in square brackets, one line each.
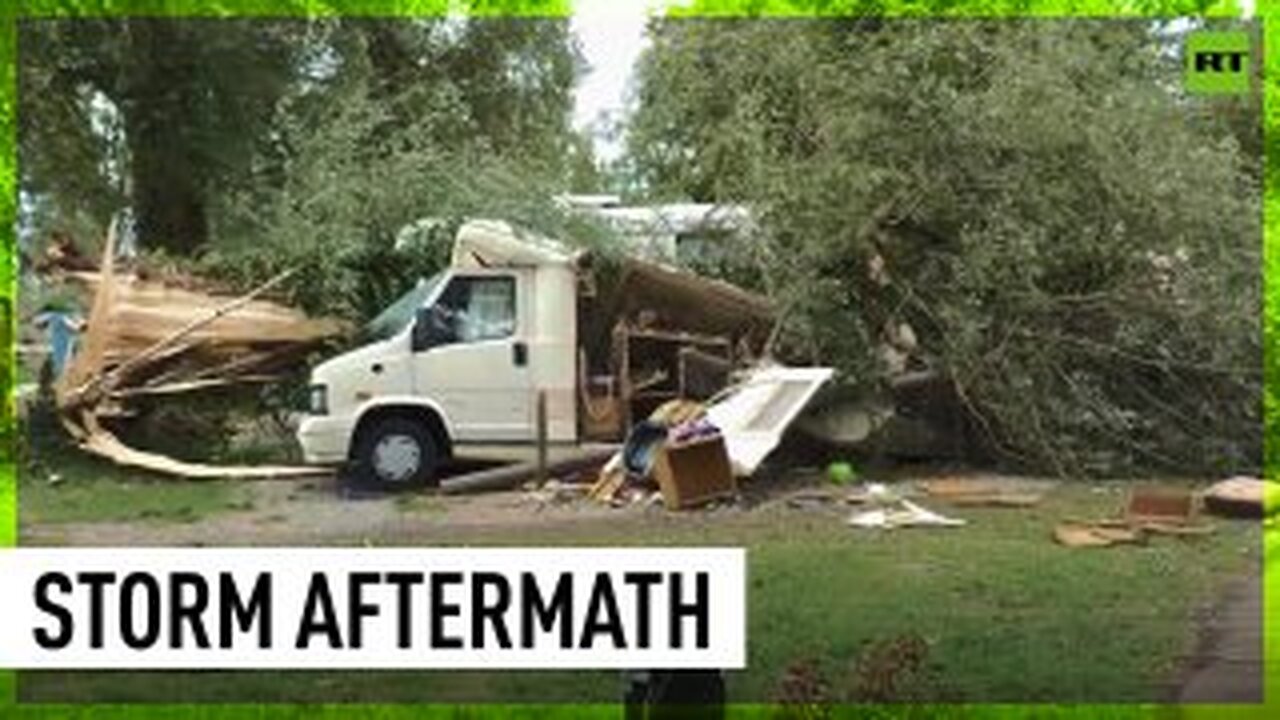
[1267, 11]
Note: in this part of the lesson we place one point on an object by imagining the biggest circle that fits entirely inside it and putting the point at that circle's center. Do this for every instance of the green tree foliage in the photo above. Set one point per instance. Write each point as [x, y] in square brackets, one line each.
[192, 96]
[257, 144]
[514, 76]
[211, 109]
[1076, 252]
[1272, 298]
[399, 121]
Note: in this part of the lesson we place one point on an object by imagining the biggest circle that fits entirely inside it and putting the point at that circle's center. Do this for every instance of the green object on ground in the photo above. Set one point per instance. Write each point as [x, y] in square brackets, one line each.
[842, 473]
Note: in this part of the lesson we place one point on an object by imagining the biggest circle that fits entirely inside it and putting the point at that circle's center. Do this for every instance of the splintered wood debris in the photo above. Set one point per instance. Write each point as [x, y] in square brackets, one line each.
[149, 338]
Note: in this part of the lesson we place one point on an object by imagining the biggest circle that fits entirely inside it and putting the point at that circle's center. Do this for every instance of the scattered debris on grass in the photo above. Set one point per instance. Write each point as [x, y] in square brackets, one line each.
[1149, 510]
[895, 511]
[1160, 504]
[1085, 534]
[904, 514]
[980, 492]
[693, 452]
[678, 450]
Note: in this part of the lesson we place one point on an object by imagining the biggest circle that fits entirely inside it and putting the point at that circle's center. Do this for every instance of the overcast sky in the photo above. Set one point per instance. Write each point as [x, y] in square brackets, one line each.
[612, 35]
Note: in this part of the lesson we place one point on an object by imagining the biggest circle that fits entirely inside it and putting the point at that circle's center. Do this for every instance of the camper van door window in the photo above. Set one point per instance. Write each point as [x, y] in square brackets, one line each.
[480, 308]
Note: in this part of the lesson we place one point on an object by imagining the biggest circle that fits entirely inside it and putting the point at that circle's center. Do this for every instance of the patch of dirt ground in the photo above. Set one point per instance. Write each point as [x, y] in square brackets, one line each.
[326, 512]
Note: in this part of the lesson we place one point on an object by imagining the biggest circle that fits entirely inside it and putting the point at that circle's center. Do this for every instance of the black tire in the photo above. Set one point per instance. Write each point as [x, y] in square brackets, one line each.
[408, 440]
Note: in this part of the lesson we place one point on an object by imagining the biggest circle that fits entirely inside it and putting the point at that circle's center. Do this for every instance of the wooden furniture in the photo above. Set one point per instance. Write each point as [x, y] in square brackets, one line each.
[693, 472]
[701, 374]
[651, 370]
[601, 410]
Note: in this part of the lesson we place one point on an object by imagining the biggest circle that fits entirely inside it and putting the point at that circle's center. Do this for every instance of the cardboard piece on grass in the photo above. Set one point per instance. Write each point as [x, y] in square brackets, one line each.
[1149, 512]
[1160, 504]
[902, 513]
[985, 492]
[1076, 534]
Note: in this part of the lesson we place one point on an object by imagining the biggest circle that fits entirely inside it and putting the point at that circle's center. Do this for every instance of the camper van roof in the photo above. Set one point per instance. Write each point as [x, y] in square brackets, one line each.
[485, 243]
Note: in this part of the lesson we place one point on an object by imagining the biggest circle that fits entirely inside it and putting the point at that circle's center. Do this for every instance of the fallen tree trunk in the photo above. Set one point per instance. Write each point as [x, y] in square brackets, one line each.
[510, 476]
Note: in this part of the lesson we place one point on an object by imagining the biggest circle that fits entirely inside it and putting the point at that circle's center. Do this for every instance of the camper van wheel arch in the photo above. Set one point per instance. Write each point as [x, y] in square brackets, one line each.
[398, 450]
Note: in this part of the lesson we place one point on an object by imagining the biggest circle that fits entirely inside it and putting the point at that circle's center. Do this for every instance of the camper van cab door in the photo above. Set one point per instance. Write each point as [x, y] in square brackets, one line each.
[470, 354]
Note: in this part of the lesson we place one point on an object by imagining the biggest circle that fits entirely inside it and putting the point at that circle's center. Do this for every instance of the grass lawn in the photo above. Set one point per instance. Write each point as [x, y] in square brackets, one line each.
[80, 488]
[1004, 614]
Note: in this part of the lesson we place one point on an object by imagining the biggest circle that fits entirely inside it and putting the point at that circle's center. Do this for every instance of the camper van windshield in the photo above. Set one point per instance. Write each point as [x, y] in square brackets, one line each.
[399, 314]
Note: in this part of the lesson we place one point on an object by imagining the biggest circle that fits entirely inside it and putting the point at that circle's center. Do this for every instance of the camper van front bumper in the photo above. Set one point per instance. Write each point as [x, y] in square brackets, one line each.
[324, 439]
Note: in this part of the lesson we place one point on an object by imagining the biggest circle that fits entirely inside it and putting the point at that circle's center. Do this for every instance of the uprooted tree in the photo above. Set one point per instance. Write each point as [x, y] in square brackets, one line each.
[1072, 243]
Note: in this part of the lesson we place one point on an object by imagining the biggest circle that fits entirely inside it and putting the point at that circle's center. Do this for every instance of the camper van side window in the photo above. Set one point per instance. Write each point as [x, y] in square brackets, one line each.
[478, 308]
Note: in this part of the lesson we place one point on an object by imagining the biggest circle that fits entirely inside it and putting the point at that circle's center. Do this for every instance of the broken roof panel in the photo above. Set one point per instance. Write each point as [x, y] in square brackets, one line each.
[692, 302]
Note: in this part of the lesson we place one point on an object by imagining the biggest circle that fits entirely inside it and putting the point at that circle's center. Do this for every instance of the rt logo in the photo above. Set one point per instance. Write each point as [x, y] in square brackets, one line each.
[1217, 62]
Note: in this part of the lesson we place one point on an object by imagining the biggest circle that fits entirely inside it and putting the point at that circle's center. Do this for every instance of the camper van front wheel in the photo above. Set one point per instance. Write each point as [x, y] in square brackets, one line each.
[396, 453]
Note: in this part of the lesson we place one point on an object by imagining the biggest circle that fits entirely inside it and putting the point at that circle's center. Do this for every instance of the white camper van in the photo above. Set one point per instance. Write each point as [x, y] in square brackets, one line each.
[516, 317]
[494, 328]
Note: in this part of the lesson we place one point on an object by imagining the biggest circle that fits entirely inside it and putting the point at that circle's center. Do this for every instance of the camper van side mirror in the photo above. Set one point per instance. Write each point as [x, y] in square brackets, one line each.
[433, 326]
[421, 335]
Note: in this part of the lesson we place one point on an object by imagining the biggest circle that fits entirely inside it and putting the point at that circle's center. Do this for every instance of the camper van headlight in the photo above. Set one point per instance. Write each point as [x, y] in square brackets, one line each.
[318, 400]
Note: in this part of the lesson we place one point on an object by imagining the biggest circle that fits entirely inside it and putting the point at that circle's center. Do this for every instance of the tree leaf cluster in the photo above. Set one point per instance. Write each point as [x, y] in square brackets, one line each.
[1071, 245]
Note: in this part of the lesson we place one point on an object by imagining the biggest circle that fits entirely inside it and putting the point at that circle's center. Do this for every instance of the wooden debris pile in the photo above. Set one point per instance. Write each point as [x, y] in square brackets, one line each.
[1150, 510]
[148, 337]
[655, 334]
[641, 469]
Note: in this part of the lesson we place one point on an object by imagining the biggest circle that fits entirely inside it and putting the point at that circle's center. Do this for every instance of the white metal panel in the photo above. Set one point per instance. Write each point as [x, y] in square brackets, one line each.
[756, 414]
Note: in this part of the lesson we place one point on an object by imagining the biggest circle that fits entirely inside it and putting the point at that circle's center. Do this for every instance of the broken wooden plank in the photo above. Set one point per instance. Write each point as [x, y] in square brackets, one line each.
[236, 364]
[608, 484]
[88, 361]
[148, 338]
[103, 443]
[178, 388]
[108, 379]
